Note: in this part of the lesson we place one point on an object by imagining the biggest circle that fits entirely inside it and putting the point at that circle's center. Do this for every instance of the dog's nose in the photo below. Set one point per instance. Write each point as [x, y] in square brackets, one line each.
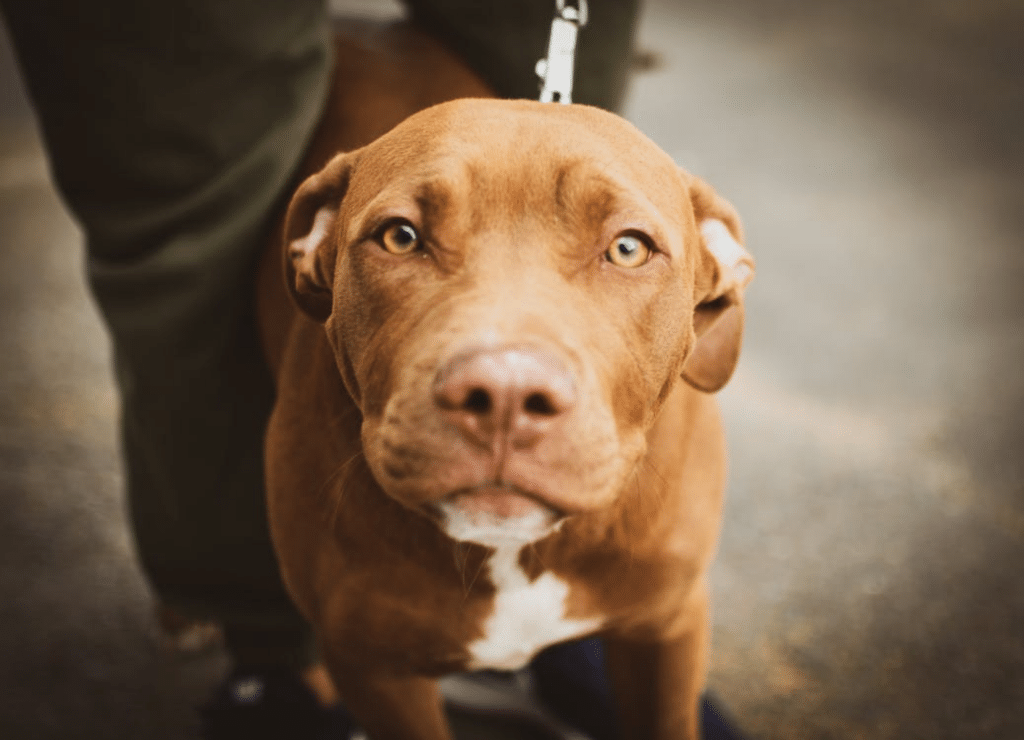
[512, 392]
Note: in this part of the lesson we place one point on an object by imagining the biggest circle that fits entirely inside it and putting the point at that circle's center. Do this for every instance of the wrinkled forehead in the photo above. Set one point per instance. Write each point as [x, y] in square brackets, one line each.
[521, 155]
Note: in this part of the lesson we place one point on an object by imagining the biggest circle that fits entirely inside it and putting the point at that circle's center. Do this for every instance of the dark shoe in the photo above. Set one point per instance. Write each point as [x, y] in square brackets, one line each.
[270, 704]
[502, 699]
[570, 680]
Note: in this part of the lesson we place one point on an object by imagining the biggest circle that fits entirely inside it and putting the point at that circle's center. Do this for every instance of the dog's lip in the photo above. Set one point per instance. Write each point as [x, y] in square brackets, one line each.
[498, 499]
[496, 516]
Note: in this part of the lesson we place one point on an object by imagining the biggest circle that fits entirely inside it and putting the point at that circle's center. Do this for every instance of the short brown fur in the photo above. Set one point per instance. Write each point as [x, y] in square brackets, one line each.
[355, 456]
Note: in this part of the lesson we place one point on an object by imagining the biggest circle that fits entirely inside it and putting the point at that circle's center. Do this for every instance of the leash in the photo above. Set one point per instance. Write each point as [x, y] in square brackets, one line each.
[556, 70]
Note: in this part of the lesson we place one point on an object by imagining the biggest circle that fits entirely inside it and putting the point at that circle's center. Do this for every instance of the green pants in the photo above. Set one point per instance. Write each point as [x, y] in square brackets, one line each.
[174, 129]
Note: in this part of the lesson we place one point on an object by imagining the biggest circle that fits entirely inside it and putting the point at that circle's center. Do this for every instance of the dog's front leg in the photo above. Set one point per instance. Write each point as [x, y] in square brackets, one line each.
[658, 681]
[394, 707]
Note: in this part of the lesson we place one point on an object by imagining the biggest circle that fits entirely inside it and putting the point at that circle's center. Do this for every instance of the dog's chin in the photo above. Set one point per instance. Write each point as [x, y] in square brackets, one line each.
[496, 516]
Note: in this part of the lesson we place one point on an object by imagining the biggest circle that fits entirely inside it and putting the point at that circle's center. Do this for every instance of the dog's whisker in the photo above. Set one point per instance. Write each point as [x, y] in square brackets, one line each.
[461, 555]
[536, 554]
[479, 570]
[339, 472]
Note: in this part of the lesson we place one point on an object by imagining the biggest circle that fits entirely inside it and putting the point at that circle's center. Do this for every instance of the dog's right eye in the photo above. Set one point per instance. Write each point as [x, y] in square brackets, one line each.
[400, 237]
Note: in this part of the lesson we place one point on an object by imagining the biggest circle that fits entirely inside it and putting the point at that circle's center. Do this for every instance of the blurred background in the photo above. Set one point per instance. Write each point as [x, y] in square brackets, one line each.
[869, 583]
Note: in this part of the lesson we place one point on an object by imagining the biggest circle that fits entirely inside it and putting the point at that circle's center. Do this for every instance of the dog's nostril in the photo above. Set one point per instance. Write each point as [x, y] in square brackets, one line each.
[478, 401]
[540, 404]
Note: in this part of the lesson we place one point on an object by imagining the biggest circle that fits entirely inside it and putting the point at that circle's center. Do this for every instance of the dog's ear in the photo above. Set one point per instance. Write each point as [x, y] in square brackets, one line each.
[724, 268]
[309, 239]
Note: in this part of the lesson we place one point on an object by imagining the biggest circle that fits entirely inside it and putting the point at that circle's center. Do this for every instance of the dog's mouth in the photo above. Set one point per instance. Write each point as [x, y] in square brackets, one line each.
[496, 515]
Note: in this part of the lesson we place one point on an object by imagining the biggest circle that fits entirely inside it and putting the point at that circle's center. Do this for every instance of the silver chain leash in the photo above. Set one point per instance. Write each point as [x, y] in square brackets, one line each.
[556, 70]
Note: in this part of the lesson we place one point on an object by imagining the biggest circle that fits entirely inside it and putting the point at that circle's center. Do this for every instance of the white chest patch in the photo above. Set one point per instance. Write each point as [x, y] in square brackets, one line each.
[527, 616]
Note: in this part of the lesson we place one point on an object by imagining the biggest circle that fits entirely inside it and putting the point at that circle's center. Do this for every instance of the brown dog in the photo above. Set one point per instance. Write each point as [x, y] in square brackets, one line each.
[481, 445]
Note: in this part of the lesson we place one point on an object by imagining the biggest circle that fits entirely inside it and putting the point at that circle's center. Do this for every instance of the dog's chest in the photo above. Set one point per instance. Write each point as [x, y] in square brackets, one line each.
[527, 616]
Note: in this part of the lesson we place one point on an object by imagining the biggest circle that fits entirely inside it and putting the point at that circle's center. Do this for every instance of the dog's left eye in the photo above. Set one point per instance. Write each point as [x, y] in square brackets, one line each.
[628, 251]
[400, 238]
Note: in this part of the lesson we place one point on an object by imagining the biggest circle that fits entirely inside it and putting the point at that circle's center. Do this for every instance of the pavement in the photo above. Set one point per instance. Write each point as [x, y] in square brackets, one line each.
[869, 579]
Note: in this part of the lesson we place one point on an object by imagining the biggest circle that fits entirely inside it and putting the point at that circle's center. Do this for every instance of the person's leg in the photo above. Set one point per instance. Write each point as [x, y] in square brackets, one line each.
[502, 41]
[173, 130]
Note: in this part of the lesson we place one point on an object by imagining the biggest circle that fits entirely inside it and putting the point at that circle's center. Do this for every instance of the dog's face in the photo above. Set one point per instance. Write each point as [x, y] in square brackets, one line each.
[511, 290]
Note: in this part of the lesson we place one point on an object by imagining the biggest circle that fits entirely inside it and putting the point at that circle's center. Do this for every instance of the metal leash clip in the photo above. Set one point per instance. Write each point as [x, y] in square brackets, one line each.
[557, 69]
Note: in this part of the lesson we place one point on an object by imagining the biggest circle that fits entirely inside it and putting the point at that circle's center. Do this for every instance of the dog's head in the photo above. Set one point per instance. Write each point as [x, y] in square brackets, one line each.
[511, 290]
